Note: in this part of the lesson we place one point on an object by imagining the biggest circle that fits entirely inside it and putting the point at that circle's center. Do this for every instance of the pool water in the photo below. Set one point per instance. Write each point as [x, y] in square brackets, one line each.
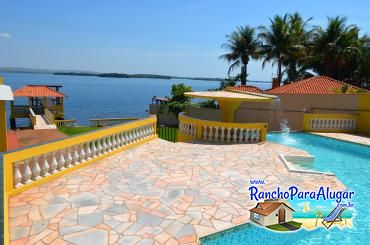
[350, 163]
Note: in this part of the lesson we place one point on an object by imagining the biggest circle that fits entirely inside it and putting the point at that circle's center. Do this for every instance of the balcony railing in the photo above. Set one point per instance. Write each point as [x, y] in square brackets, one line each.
[23, 110]
[27, 167]
[330, 122]
[65, 123]
[103, 122]
[33, 166]
[197, 129]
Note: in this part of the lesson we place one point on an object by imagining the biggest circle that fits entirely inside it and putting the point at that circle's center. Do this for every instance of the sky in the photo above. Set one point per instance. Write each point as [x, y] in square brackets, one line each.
[180, 38]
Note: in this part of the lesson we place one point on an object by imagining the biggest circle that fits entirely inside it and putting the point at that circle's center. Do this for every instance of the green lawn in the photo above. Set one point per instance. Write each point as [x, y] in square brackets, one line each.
[279, 227]
[76, 130]
[167, 133]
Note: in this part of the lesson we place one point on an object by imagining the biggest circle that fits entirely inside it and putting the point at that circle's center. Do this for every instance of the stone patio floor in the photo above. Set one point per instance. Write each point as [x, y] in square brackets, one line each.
[359, 139]
[156, 193]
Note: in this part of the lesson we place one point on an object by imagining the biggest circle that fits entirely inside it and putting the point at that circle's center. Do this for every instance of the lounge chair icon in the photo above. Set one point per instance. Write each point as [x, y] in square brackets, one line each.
[334, 216]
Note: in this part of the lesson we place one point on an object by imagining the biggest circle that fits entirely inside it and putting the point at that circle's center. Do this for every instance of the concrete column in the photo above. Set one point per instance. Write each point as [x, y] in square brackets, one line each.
[228, 109]
[3, 130]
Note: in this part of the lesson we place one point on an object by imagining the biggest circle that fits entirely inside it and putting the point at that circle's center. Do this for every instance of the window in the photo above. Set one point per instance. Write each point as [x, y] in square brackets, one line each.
[256, 216]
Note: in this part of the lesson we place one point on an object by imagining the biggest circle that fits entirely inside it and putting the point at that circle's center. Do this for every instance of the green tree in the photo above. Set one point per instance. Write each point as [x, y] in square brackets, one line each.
[300, 36]
[277, 43]
[337, 49]
[227, 82]
[179, 101]
[242, 45]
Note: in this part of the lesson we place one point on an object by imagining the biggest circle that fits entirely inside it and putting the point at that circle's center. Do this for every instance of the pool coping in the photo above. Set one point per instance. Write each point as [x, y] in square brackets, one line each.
[216, 232]
[334, 138]
[289, 165]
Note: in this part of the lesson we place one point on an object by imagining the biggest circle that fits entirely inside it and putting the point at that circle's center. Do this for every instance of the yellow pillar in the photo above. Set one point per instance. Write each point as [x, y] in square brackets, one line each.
[3, 130]
[228, 109]
[363, 125]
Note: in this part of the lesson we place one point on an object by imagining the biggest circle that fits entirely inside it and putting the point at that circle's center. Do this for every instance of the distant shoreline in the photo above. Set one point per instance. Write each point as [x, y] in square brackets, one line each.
[107, 75]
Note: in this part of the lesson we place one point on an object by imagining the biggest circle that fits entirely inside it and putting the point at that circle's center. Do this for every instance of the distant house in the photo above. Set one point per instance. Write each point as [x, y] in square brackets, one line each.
[271, 213]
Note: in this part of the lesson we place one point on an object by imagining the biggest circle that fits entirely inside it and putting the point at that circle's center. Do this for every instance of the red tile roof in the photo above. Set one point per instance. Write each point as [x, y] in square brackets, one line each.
[313, 85]
[266, 208]
[36, 91]
[245, 88]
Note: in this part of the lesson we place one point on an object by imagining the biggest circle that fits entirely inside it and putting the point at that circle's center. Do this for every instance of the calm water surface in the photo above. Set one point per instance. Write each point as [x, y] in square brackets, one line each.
[97, 97]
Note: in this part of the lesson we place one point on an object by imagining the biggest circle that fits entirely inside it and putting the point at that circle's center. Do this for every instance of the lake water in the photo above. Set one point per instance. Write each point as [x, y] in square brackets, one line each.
[98, 97]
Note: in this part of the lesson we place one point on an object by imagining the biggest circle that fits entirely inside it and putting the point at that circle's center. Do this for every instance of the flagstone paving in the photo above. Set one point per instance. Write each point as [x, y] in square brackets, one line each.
[156, 193]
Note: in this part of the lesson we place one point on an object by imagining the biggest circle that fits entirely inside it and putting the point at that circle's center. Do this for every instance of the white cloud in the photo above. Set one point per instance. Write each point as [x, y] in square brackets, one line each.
[5, 35]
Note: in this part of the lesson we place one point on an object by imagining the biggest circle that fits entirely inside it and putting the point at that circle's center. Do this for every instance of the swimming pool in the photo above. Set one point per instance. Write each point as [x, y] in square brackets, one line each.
[350, 163]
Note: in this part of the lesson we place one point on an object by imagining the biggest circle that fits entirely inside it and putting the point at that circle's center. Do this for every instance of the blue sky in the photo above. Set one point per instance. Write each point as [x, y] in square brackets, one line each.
[145, 36]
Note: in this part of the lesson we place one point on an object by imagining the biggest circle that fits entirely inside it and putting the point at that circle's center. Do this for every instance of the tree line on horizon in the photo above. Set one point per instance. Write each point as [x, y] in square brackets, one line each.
[299, 50]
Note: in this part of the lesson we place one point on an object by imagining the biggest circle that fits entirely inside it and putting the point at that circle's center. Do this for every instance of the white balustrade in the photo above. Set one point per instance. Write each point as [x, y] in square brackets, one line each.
[332, 124]
[40, 166]
[221, 134]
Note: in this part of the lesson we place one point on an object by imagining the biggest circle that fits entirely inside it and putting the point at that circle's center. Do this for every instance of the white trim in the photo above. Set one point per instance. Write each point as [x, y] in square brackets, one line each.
[290, 166]
[6, 93]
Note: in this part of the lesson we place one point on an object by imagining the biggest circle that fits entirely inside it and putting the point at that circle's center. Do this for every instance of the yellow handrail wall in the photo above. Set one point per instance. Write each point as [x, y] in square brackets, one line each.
[11, 157]
[308, 117]
[32, 116]
[200, 123]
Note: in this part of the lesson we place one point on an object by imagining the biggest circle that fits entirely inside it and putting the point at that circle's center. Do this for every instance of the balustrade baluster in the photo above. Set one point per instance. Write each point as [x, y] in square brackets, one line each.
[82, 154]
[228, 136]
[61, 161]
[210, 135]
[258, 135]
[241, 130]
[99, 147]
[109, 143]
[205, 133]
[222, 135]
[68, 158]
[88, 151]
[26, 175]
[93, 149]
[114, 142]
[17, 175]
[45, 166]
[36, 168]
[235, 136]
[75, 155]
[104, 145]
[125, 138]
[53, 163]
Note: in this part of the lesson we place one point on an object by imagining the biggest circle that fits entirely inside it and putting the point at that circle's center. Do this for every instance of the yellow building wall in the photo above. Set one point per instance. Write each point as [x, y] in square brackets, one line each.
[364, 114]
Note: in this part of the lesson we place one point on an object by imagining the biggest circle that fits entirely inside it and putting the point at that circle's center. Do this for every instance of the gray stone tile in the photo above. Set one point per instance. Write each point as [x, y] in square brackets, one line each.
[149, 219]
[187, 230]
[72, 229]
[91, 236]
[116, 209]
[128, 240]
[38, 226]
[19, 232]
[92, 219]
[84, 199]
[51, 211]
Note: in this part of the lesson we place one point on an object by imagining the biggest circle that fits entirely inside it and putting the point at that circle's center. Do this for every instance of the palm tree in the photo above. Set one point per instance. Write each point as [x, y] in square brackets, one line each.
[277, 43]
[336, 49]
[242, 45]
[319, 214]
[300, 38]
